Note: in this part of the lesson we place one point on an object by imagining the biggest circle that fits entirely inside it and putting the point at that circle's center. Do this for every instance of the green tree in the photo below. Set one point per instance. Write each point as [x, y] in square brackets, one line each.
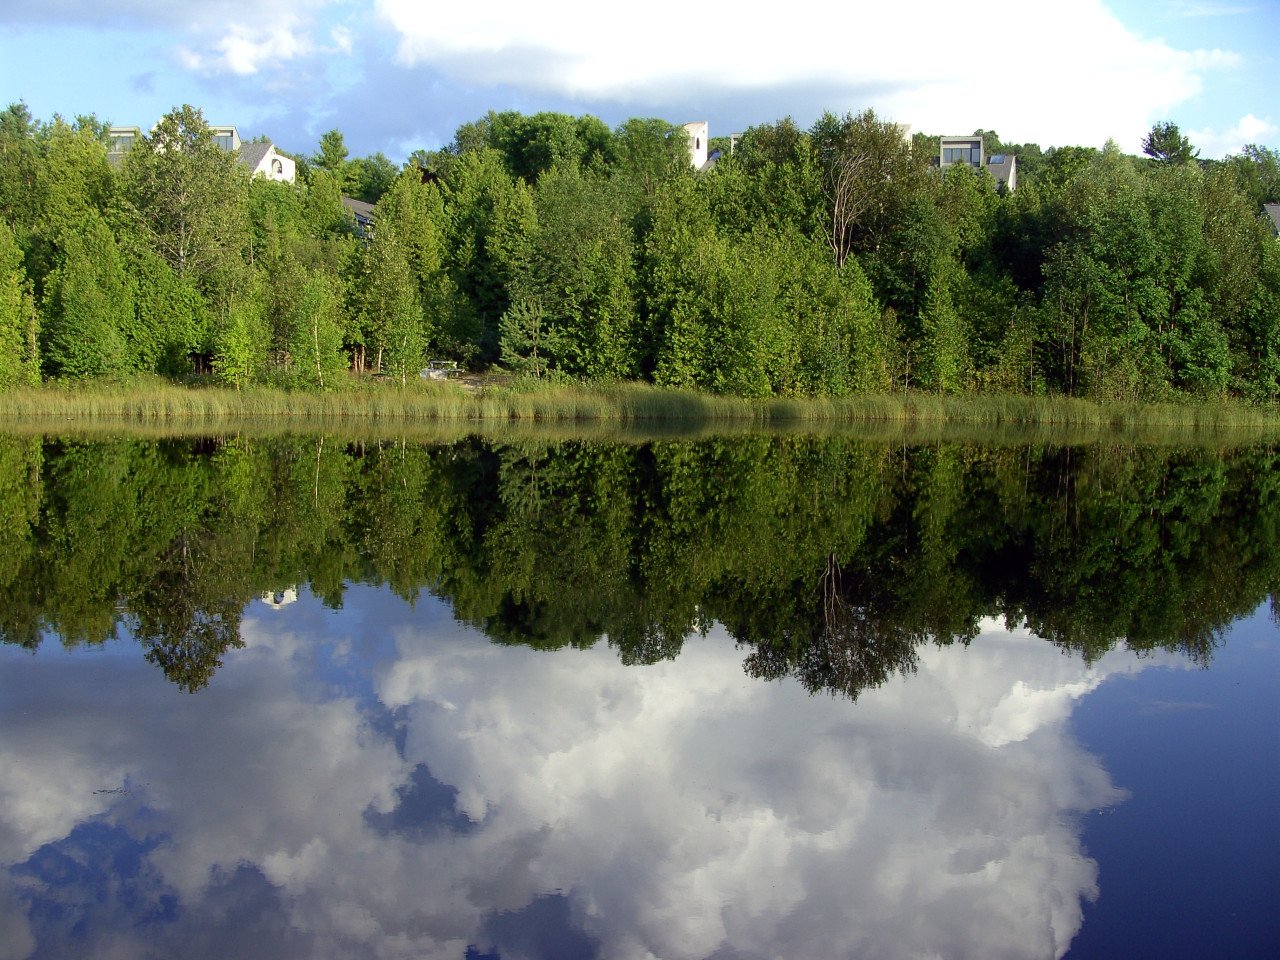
[415, 212]
[88, 306]
[648, 151]
[944, 337]
[190, 202]
[240, 340]
[18, 326]
[332, 158]
[532, 145]
[19, 167]
[1165, 144]
[372, 176]
[315, 328]
[392, 308]
[530, 346]
[868, 173]
[479, 196]
[576, 260]
[168, 313]
[1256, 171]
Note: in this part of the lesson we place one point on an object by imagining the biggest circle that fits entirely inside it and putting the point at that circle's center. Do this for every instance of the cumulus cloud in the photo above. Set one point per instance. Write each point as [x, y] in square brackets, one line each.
[1215, 144]
[246, 49]
[392, 784]
[1095, 80]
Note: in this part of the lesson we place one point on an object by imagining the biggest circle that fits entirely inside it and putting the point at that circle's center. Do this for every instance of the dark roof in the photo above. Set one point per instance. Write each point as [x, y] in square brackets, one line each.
[251, 154]
[361, 212]
[1273, 211]
[1001, 165]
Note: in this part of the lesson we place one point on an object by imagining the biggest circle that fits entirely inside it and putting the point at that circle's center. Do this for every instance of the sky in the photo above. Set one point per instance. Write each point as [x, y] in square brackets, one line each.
[399, 75]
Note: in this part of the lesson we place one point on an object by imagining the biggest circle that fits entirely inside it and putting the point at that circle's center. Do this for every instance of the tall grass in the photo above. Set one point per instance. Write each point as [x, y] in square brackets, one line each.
[162, 405]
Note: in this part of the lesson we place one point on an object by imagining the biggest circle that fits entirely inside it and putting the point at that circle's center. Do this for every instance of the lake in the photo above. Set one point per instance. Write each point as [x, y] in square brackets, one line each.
[725, 697]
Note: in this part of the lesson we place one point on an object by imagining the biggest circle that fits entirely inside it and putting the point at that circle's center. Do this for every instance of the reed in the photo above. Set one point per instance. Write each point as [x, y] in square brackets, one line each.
[364, 404]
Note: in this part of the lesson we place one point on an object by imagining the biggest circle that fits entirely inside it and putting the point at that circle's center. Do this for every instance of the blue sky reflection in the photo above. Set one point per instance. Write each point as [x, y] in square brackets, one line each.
[380, 781]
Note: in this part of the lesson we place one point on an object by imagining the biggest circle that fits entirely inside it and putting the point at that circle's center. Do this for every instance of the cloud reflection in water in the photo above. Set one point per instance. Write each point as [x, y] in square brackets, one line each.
[380, 781]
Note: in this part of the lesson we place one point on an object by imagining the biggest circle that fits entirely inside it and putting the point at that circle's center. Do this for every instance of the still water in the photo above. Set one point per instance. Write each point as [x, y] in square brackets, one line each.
[761, 697]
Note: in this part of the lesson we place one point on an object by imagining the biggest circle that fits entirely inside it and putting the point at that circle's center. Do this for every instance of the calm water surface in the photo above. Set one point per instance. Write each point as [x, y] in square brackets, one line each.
[752, 698]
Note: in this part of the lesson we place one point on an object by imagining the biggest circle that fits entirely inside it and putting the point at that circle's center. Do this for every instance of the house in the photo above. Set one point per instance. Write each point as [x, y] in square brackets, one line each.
[280, 598]
[362, 213]
[697, 131]
[226, 138]
[1002, 166]
[960, 150]
[120, 141]
[260, 156]
[263, 160]
[1273, 212]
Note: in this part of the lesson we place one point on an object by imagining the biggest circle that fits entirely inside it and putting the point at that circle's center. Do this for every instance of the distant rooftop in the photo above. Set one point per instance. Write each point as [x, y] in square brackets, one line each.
[1273, 211]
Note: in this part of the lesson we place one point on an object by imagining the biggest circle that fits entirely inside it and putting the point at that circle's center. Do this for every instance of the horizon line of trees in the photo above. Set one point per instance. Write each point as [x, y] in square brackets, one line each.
[824, 261]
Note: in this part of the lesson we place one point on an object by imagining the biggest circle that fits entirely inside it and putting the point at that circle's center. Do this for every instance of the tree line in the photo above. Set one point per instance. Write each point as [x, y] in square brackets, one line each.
[825, 261]
[828, 560]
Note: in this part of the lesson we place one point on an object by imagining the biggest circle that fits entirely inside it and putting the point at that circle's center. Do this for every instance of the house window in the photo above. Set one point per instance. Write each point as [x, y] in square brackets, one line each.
[277, 167]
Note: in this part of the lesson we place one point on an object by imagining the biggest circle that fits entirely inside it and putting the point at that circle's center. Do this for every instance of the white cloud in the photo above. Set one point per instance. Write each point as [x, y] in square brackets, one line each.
[343, 39]
[245, 51]
[1055, 73]
[1215, 144]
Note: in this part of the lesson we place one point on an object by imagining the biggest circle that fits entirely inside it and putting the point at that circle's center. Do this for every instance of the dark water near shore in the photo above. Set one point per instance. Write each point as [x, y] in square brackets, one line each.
[758, 697]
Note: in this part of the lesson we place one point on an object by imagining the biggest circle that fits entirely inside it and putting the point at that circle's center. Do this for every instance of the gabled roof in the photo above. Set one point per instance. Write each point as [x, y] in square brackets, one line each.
[252, 154]
[361, 210]
[1001, 165]
[1273, 211]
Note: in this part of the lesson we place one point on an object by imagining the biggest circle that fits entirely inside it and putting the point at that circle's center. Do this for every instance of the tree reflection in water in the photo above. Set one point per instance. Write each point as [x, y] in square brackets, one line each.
[831, 560]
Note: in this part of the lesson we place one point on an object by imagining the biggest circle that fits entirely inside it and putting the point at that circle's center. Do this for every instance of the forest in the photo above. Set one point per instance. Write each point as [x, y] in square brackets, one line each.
[823, 262]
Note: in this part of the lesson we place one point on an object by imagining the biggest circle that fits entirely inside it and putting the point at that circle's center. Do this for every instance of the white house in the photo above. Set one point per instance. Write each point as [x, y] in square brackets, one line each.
[264, 160]
[697, 131]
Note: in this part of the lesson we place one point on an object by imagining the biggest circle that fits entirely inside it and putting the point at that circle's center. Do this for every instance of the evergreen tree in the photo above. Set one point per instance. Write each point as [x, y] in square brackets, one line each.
[944, 339]
[530, 346]
[88, 306]
[240, 340]
[18, 328]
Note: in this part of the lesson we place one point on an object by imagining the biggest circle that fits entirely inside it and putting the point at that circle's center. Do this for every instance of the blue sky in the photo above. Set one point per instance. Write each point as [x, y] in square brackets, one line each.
[395, 75]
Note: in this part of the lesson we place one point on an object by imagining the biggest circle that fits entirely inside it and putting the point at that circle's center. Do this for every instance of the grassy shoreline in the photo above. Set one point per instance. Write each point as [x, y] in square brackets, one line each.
[168, 407]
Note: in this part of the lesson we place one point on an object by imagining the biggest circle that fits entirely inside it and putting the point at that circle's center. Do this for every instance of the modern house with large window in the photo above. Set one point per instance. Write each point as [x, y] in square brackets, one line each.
[1002, 166]
[960, 150]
